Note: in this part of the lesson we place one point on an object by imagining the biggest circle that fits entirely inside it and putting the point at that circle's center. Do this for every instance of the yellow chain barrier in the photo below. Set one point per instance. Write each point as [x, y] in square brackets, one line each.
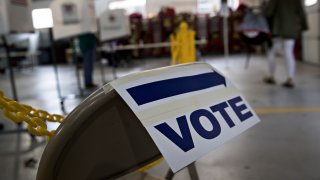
[36, 119]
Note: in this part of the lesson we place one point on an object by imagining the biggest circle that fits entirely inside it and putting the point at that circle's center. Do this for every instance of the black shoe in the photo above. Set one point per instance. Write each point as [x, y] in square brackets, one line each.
[288, 84]
[1, 127]
[269, 80]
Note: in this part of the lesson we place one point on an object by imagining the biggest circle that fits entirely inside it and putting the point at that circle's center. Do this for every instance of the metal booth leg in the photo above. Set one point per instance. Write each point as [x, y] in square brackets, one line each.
[55, 68]
[114, 65]
[77, 70]
[191, 169]
[103, 79]
[169, 175]
[11, 74]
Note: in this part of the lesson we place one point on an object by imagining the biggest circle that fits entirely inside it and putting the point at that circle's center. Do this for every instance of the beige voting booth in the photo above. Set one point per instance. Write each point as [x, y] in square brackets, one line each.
[73, 17]
[311, 41]
[15, 16]
[114, 24]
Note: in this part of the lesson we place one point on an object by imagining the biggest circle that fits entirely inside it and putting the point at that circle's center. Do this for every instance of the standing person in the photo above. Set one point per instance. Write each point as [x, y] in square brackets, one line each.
[287, 21]
[87, 44]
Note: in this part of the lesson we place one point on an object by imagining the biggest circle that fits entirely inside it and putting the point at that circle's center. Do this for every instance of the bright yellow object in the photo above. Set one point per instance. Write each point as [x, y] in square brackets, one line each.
[35, 119]
[183, 49]
[154, 163]
[174, 49]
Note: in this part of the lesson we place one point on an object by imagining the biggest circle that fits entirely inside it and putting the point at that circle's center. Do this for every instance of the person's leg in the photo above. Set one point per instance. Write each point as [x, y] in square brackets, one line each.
[291, 62]
[272, 60]
[88, 62]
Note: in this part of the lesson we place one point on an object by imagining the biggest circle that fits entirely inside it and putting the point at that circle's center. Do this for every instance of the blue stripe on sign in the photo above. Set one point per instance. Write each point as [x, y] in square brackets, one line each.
[154, 91]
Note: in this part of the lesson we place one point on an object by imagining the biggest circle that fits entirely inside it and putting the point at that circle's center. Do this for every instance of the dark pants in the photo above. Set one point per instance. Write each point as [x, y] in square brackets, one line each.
[89, 57]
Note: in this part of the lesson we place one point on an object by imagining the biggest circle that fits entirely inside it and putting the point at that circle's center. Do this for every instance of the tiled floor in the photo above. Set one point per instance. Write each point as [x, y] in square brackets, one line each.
[284, 145]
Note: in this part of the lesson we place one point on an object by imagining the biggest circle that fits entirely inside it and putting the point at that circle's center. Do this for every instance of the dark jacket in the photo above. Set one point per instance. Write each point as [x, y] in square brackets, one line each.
[288, 18]
[87, 42]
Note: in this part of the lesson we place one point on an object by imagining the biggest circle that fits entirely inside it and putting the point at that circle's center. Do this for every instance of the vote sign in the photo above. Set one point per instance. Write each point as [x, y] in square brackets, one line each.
[188, 110]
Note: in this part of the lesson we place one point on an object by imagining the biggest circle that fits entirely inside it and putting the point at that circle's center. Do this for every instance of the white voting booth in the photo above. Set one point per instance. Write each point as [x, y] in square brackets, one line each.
[15, 16]
[311, 42]
[113, 24]
[73, 17]
[4, 23]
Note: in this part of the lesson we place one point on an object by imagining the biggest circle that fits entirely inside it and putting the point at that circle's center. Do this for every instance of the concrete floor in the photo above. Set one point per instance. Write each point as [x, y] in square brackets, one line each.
[283, 146]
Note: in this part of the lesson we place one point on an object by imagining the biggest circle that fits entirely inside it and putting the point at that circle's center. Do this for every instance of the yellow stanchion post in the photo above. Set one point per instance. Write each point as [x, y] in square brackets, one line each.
[183, 49]
[174, 49]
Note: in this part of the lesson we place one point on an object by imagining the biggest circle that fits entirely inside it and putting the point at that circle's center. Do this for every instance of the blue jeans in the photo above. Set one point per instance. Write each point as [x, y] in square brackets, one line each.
[89, 57]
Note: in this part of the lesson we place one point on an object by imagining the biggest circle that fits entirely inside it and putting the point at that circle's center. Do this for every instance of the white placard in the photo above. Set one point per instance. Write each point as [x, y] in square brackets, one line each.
[188, 110]
[114, 24]
[73, 17]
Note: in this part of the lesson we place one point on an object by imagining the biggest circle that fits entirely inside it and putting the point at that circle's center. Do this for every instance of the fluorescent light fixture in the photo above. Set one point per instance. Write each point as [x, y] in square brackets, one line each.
[310, 2]
[42, 18]
[125, 4]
